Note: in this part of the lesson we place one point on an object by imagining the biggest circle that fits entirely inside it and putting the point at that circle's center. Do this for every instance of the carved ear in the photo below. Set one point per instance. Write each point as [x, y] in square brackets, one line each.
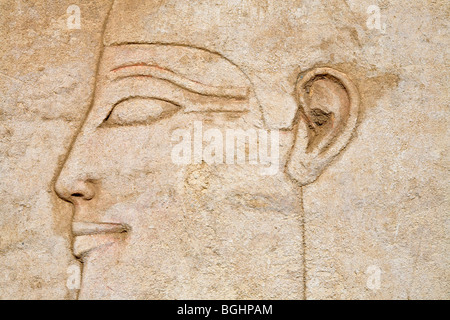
[327, 116]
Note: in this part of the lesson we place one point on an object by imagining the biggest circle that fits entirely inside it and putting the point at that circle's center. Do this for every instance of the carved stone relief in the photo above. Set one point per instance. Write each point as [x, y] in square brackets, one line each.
[195, 170]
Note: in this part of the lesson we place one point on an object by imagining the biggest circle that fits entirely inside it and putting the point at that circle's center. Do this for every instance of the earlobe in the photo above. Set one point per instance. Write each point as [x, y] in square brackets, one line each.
[328, 105]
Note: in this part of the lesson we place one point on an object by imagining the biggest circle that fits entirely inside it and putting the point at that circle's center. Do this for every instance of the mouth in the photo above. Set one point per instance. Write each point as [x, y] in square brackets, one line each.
[89, 236]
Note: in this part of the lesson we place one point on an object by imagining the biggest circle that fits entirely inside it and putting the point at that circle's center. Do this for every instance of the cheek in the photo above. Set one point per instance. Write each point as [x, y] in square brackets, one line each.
[131, 161]
[131, 148]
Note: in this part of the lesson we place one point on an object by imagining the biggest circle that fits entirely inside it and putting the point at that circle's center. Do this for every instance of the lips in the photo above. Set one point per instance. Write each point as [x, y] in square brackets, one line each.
[92, 235]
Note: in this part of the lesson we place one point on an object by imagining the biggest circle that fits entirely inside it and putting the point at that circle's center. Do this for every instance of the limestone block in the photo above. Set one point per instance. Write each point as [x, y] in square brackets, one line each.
[166, 149]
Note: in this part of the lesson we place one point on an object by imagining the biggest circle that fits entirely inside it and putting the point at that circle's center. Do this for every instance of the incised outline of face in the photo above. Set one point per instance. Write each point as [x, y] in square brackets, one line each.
[147, 228]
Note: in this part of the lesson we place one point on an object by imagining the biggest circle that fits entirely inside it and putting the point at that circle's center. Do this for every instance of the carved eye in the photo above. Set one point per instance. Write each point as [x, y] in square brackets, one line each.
[139, 111]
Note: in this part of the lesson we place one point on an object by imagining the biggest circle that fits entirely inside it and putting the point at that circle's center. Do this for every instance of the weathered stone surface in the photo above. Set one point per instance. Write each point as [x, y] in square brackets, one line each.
[355, 206]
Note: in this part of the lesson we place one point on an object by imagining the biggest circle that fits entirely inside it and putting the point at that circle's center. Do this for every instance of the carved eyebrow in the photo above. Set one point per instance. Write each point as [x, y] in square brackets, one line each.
[155, 71]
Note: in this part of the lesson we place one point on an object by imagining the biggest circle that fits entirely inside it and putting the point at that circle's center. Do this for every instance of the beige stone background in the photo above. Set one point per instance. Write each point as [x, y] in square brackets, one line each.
[384, 203]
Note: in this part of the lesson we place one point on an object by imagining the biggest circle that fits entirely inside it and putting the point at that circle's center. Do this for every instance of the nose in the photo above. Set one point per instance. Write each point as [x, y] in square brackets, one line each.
[74, 189]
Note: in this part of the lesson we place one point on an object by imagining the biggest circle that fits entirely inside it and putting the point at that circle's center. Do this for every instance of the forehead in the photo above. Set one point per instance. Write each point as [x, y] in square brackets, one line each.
[197, 65]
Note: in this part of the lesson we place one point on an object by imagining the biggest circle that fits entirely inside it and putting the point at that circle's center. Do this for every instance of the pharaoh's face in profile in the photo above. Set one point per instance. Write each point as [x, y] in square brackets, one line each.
[146, 227]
